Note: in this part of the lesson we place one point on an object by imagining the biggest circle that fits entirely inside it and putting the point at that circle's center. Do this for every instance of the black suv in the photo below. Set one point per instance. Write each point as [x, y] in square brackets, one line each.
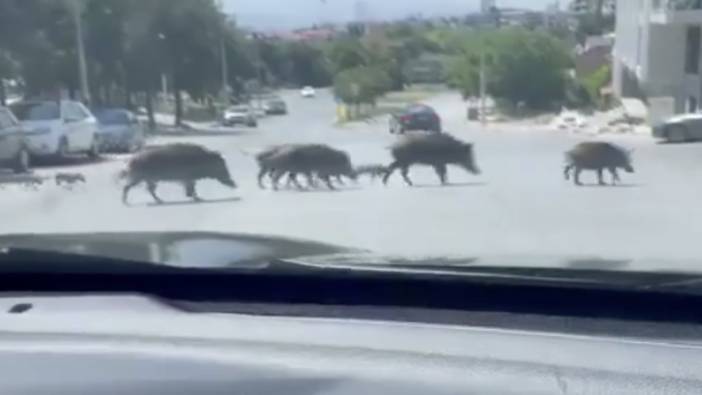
[415, 117]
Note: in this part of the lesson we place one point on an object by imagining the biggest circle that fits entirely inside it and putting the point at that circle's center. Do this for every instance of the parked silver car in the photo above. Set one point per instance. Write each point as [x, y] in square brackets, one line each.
[14, 153]
[119, 130]
[680, 128]
[240, 115]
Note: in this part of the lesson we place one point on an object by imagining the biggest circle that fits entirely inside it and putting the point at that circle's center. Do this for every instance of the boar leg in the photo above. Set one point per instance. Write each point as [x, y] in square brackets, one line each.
[566, 171]
[276, 175]
[405, 174]
[261, 174]
[615, 175]
[127, 188]
[327, 180]
[191, 191]
[391, 169]
[311, 182]
[600, 177]
[151, 186]
[576, 176]
[441, 172]
[292, 180]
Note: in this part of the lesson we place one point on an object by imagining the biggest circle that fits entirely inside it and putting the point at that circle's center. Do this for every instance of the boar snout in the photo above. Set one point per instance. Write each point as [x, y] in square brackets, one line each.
[228, 181]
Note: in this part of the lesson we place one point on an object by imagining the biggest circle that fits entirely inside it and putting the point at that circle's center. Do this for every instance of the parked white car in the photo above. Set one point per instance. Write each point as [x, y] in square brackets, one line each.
[308, 91]
[58, 128]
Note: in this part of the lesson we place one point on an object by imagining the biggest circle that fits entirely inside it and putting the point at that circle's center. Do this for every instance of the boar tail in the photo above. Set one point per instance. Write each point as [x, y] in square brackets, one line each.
[121, 175]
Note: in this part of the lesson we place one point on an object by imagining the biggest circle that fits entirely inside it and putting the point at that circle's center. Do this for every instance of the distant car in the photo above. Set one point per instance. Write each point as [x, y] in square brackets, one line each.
[415, 117]
[120, 130]
[240, 115]
[58, 128]
[274, 105]
[14, 153]
[308, 92]
[680, 128]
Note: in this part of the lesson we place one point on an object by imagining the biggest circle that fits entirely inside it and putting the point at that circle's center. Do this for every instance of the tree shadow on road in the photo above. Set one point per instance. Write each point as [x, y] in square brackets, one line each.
[187, 202]
[320, 190]
[608, 186]
[451, 185]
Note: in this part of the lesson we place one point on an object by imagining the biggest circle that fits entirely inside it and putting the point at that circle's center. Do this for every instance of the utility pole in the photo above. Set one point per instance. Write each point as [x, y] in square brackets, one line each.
[223, 55]
[483, 83]
[77, 7]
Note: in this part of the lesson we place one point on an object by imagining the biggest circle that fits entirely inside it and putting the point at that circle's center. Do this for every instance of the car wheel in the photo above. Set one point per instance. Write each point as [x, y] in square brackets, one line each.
[135, 145]
[62, 150]
[94, 151]
[677, 134]
[22, 161]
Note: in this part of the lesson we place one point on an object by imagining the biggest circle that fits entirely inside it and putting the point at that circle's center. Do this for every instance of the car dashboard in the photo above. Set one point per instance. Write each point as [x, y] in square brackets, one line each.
[133, 344]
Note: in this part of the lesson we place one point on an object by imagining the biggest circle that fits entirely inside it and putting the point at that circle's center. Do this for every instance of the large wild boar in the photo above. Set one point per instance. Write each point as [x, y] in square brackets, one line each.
[183, 163]
[597, 156]
[311, 160]
[436, 150]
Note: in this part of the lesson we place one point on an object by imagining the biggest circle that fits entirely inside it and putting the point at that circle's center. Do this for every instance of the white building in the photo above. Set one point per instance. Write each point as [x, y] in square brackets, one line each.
[657, 54]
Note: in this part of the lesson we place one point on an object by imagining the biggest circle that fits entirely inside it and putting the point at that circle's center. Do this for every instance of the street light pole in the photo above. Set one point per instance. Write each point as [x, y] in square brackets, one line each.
[82, 67]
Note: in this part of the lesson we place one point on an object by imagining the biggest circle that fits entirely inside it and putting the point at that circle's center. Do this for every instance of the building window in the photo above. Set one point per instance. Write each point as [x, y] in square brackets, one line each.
[692, 50]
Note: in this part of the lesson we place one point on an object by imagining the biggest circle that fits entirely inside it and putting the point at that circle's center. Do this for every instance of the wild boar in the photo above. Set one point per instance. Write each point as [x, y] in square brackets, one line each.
[311, 160]
[183, 163]
[436, 150]
[597, 156]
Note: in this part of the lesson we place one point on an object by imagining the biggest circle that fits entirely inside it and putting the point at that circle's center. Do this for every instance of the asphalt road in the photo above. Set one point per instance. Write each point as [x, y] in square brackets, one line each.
[519, 207]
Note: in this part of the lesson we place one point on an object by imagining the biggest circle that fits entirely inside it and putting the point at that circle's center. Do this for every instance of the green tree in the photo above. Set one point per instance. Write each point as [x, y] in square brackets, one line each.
[362, 84]
[522, 67]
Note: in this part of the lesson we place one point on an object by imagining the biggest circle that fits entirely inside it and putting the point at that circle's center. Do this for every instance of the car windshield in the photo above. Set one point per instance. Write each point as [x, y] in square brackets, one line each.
[112, 117]
[522, 131]
[44, 111]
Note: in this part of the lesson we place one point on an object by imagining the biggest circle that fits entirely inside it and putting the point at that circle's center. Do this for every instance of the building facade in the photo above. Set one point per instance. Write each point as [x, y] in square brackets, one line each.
[658, 52]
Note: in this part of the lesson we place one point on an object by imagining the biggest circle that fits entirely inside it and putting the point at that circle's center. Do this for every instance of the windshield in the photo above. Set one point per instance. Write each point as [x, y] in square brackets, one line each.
[503, 131]
[107, 117]
[44, 111]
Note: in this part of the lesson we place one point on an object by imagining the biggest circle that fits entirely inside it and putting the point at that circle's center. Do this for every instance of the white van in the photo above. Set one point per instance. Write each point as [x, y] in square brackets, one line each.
[58, 128]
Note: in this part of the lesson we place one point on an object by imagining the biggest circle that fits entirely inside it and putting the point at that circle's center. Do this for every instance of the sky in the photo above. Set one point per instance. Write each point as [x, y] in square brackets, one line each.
[286, 14]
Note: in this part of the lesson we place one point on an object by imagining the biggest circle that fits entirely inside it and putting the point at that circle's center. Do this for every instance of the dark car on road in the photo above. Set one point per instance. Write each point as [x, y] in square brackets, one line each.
[415, 117]
[119, 130]
[274, 105]
[14, 153]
